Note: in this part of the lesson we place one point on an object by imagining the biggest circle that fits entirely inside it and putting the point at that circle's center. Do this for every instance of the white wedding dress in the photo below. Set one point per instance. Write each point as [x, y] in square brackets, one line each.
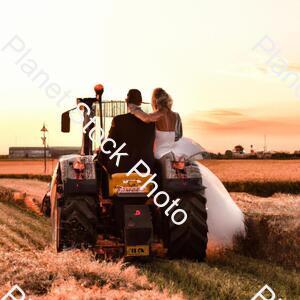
[224, 218]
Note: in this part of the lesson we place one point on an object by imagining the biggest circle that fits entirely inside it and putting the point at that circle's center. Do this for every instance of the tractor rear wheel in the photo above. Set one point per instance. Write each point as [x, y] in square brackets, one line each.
[79, 221]
[189, 240]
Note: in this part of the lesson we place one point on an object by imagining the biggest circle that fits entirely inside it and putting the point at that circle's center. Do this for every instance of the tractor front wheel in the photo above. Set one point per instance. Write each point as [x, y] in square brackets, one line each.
[79, 221]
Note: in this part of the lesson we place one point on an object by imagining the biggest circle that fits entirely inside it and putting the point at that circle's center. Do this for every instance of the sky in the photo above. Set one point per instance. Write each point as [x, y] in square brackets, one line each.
[231, 67]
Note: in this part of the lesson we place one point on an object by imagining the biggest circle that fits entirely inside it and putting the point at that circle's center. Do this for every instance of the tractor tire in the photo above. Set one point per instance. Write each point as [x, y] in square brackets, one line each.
[46, 206]
[189, 240]
[56, 227]
[79, 222]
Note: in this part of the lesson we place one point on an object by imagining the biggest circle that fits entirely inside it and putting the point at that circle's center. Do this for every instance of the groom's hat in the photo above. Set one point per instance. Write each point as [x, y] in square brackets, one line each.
[134, 96]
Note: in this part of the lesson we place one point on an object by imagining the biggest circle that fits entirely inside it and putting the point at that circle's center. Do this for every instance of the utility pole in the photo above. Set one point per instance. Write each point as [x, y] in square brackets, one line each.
[265, 143]
[44, 130]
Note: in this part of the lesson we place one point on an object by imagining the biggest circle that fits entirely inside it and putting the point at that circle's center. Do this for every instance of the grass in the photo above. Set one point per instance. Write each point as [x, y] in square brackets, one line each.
[263, 188]
[225, 276]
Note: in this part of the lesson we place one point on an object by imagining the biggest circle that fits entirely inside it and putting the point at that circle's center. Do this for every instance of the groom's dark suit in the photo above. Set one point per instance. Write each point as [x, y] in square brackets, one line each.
[139, 138]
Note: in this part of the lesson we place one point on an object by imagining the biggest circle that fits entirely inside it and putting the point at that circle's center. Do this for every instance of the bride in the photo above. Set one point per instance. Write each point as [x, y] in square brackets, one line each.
[224, 219]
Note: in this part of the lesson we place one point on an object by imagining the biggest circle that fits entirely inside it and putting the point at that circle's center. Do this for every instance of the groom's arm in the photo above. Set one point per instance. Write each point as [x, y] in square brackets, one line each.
[147, 118]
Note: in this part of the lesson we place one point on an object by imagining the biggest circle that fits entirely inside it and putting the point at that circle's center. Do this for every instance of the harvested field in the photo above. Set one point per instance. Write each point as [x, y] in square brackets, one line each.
[26, 166]
[226, 170]
[75, 275]
[27, 260]
[273, 226]
[277, 205]
[255, 170]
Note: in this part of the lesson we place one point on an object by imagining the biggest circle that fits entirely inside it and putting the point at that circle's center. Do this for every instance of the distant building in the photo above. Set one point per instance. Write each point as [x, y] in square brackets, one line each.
[59, 151]
[38, 152]
[262, 154]
[28, 152]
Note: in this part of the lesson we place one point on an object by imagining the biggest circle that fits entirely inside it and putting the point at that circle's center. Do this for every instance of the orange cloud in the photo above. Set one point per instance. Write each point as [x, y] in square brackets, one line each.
[294, 67]
[222, 112]
[235, 122]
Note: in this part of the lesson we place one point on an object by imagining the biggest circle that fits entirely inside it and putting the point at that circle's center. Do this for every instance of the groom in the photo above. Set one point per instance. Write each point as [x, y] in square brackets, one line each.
[138, 136]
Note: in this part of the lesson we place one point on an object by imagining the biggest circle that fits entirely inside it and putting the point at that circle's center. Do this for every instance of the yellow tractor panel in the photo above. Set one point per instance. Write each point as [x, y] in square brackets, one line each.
[121, 184]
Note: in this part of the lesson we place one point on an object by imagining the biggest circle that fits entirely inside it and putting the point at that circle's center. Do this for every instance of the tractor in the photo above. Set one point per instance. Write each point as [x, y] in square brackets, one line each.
[111, 213]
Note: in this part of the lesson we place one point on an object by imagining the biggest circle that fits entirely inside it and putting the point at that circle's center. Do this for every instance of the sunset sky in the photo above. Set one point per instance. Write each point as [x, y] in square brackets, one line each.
[231, 66]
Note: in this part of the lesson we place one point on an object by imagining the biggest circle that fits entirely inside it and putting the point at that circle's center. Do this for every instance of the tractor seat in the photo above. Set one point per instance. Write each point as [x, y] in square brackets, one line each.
[121, 185]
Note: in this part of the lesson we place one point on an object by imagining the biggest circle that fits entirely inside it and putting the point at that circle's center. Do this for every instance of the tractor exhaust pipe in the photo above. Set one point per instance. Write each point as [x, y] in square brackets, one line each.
[87, 145]
[99, 89]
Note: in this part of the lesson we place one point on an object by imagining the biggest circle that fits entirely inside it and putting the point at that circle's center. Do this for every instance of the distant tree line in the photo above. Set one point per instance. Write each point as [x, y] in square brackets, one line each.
[230, 155]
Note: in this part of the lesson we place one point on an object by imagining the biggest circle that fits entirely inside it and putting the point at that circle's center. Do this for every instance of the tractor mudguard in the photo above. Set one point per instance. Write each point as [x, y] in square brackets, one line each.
[180, 176]
[78, 175]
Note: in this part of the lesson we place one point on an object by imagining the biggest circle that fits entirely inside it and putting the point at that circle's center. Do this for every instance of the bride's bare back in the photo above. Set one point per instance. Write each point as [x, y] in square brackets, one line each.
[167, 121]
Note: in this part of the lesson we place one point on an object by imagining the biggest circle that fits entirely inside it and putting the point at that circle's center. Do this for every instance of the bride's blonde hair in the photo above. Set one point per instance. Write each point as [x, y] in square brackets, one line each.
[161, 99]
